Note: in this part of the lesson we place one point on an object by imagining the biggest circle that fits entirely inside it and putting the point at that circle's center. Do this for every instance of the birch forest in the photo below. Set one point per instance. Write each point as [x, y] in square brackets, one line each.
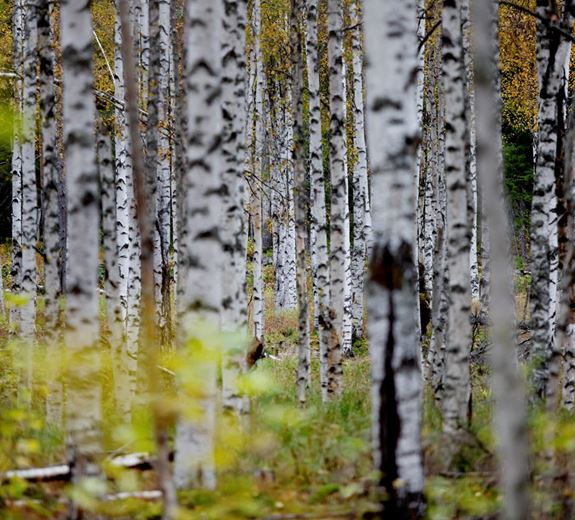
[287, 259]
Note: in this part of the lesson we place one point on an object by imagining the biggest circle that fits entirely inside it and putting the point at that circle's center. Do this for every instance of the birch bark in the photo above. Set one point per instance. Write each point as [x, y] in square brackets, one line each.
[233, 220]
[391, 48]
[29, 188]
[510, 420]
[360, 180]
[301, 197]
[82, 324]
[256, 206]
[339, 203]
[16, 163]
[318, 226]
[201, 251]
[457, 388]
[51, 188]
[551, 51]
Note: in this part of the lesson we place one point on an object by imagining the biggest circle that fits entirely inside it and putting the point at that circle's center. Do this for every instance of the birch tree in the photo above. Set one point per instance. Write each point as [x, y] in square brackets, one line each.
[551, 53]
[510, 421]
[160, 31]
[16, 163]
[29, 189]
[144, 193]
[458, 339]
[361, 216]
[339, 203]
[391, 49]
[123, 164]
[106, 171]
[256, 204]
[318, 225]
[471, 153]
[52, 187]
[301, 196]
[234, 152]
[82, 326]
[566, 316]
[201, 252]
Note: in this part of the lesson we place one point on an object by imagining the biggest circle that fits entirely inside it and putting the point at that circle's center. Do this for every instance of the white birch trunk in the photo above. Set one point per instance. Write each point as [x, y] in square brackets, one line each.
[16, 163]
[551, 51]
[301, 197]
[457, 388]
[51, 174]
[339, 202]
[439, 301]
[123, 166]
[391, 48]
[347, 330]
[318, 226]
[109, 241]
[360, 180]
[471, 154]
[29, 189]
[82, 324]
[510, 419]
[233, 220]
[160, 55]
[256, 205]
[201, 252]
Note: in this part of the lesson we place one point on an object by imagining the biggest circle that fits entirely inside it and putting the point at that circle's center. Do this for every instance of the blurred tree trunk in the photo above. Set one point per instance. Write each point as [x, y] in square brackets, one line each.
[392, 286]
[52, 191]
[510, 418]
[201, 249]
[82, 321]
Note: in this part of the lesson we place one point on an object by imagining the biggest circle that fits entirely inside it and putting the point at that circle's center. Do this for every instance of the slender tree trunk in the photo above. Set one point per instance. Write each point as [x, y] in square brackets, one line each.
[122, 363]
[301, 196]
[52, 193]
[347, 330]
[82, 324]
[361, 219]
[339, 202]
[51, 173]
[392, 292]
[202, 249]
[318, 226]
[457, 390]
[439, 301]
[510, 420]
[146, 216]
[16, 164]
[160, 54]
[109, 239]
[566, 316]
[29, 188]
[551, 50]
[471, 153]
[233, 220]
[257, 260]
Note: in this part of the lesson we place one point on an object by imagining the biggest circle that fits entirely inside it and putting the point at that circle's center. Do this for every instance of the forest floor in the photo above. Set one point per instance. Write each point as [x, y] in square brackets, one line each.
[288, 462]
